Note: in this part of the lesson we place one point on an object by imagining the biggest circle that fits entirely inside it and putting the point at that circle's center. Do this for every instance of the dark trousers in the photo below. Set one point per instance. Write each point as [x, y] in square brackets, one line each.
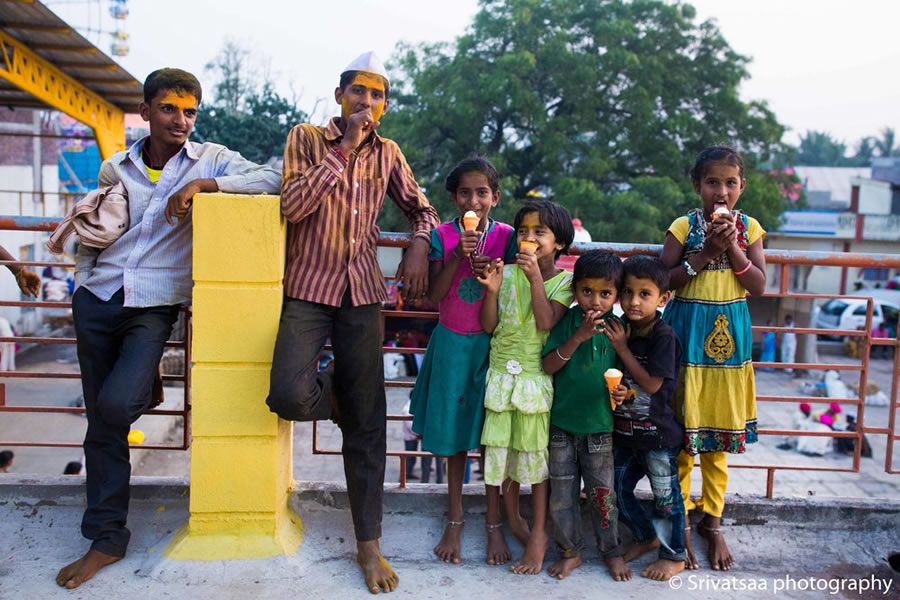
[667, 521]
[119, 350]
[573, 457]
[298, 392]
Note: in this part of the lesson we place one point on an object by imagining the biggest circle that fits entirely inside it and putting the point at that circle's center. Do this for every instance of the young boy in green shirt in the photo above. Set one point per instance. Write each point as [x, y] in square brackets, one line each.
[577, 353]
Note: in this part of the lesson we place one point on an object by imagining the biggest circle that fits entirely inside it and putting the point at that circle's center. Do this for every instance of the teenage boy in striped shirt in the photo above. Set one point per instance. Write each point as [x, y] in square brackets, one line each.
[333, 187]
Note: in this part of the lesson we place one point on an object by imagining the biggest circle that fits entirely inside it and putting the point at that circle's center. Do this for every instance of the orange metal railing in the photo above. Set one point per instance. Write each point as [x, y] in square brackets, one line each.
[776, 257]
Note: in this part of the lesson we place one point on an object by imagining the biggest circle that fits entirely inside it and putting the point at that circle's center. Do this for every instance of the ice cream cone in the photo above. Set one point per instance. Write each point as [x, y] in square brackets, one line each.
[720, 212]
[528, 247]
[613, 378]
[470, 220]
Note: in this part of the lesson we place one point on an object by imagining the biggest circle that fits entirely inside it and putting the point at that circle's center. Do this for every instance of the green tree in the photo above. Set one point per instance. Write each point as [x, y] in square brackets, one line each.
[601, 105]
[245, 115]
[819, 149]
[885, 145]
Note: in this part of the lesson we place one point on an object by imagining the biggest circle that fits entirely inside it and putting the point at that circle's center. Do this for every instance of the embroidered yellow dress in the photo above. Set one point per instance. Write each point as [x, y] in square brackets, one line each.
[716, 394]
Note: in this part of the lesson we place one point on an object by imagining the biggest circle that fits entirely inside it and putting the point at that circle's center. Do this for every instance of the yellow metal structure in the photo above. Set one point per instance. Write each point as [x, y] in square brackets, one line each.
[241, 460]
[45, 81]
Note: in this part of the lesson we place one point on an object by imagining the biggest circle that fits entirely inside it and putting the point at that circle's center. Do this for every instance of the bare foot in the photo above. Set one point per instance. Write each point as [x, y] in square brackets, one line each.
[532, 561]
[691, 563]
[378, 574]
[564, 566]
[633, 551]
[73, 575]
[497, 550]
[663, 569]
[448, 548]
[719, 556]
[518, 526]
[617, 568]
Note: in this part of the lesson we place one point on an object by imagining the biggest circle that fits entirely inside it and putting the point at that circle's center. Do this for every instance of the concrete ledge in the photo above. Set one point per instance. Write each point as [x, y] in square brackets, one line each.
[860, 514]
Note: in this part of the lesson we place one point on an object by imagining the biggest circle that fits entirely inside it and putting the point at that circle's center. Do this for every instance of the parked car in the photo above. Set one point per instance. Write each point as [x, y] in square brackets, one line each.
[850, 313]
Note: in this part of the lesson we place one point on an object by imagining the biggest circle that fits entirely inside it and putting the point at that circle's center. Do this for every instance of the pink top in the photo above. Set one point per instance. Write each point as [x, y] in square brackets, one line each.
[461, 307]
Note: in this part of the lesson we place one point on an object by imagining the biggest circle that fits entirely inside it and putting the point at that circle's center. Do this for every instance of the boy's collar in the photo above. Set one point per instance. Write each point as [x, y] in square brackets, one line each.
[645, 330]
[134, 153]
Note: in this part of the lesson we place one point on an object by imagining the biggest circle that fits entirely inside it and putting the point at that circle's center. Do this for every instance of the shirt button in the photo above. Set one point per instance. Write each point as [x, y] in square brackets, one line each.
[352, 240]
[340, 169]
[357, 184]
[355, 212]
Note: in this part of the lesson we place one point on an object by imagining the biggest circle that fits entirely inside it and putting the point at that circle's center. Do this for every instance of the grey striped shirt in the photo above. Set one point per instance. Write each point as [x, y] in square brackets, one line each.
[153, 260]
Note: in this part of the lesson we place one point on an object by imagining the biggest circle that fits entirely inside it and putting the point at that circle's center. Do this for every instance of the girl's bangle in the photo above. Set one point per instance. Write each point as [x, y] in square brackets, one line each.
[563, 358]
[745, 269]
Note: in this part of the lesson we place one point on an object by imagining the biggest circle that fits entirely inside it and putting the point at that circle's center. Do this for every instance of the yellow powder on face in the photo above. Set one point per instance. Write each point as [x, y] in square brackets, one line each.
[372, 82]
[185, 102]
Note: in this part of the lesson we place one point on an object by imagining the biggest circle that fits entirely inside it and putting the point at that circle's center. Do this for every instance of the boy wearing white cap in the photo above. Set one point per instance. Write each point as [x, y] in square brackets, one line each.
[332, 190]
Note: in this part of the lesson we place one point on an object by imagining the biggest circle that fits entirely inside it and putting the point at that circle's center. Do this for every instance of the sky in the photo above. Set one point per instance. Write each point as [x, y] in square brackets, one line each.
[825, 65]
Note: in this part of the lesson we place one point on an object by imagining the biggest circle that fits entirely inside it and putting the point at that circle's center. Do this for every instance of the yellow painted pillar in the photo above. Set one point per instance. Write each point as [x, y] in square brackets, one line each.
[241, 466]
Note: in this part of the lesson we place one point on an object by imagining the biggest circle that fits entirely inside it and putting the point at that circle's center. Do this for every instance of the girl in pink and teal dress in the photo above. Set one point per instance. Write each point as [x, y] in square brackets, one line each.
[447, 401]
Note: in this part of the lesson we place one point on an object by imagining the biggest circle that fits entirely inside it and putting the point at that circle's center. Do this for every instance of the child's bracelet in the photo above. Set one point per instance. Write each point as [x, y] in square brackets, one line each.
[561, 356]
[745, 269]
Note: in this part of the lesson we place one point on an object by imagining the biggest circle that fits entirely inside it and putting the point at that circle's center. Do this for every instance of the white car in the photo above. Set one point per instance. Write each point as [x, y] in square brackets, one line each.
[850, 313]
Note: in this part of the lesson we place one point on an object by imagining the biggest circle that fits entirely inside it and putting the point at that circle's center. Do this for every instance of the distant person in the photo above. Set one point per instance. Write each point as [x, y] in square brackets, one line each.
[833, 412]
[29, 281]
[7, 349]
[128, 296]
[881, 331]
[848, 445]
[817, 445]
[788, 343]
[6, 460]
[410, 444]
[768, 347]
[858, 285]
[797, 420]
[73, 467]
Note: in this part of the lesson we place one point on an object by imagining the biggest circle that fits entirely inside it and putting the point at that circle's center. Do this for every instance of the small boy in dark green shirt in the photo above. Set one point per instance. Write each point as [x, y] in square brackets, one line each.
[577, 353]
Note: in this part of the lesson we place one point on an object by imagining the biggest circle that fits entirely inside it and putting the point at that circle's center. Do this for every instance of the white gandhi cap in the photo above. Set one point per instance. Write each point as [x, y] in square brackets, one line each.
[370, 63]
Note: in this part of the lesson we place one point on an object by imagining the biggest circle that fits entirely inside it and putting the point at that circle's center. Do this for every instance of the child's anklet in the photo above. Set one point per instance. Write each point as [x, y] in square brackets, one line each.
[455, 523]
[490, 527]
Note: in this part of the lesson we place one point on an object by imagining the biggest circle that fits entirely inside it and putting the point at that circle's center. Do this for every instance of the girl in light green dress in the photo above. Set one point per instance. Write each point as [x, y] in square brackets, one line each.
[523, 303]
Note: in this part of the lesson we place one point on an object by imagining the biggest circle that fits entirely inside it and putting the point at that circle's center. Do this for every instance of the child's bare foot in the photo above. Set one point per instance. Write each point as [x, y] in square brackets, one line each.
[73, 575]
[564, 566]
[663, 569]
[377, 573]
[719, 556]
[518, 526]
[633, 551]
[497, 550]
[691, 563]
[617, 568]
[448, 548]
[532, 561]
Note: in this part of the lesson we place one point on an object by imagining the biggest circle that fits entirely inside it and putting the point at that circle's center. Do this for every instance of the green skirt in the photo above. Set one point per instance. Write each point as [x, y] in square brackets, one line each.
[447, 402]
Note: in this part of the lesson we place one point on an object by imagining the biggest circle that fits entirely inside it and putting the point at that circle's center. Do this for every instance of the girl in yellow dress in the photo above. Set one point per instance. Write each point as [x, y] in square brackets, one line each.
[715, 254]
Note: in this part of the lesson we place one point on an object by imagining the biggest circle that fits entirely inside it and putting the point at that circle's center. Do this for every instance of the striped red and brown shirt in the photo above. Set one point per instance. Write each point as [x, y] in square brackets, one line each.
[331, 205]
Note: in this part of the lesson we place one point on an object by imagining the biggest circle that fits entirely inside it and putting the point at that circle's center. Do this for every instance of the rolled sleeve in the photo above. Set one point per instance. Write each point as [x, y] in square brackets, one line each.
[237, 175]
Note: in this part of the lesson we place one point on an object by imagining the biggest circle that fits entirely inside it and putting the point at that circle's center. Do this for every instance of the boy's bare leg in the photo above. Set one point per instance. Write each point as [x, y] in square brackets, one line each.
[377, 572]
[710, 527]
[497, 550]
[633, 551]
[532, 561]
[617, 568]
[517, 524]
[663, 569]
[448, 548]
[564, 567]
[76, 573]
